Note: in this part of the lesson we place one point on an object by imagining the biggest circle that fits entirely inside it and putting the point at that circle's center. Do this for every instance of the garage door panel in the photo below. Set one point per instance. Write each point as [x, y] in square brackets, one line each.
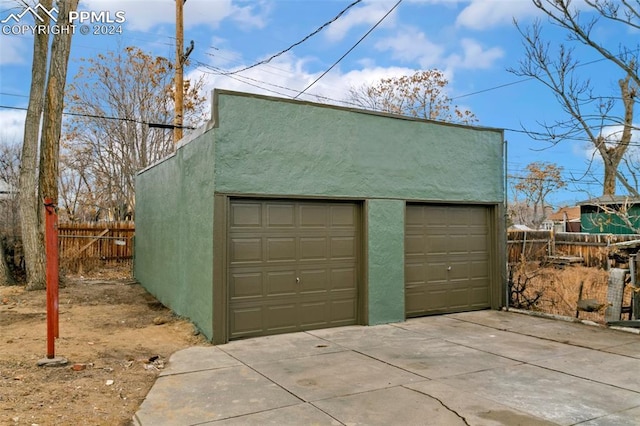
[277, 319]
[480, 269]
[246, 216]
[245, 250]
[343, 312]
[456, 244]
[454, 258]
[280, 215]
[293, 265]
[313, 216]
[414, 245]
[436, 244]
[313, 248]
[247, 320]
[313, 281]
[455, 216]
[458, 272]
[414, 218]
[477, 244]
[414, 273]
[343, 216]
[343, 278]
[478, 297]
[436, 272]
[280, 283]
[343, 248]
[314, 314]
[435, 218]
[481, 221]
[281, 249]
[437, 299]
[246, 285]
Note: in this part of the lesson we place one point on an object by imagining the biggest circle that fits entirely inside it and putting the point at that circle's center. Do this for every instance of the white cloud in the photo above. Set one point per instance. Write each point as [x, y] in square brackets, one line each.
[14, 50]
[143, 15]
[484, 14]
[368, 14]
[11, 125]
[474, 56]
[411, 45]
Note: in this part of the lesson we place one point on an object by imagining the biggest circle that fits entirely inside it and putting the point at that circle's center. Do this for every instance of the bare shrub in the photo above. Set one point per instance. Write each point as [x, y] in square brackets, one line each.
[555, 291]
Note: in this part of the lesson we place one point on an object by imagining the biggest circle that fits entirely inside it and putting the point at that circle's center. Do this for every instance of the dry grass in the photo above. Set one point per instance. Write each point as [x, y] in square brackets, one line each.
[555, 291]
[98, 269]
[91, 265]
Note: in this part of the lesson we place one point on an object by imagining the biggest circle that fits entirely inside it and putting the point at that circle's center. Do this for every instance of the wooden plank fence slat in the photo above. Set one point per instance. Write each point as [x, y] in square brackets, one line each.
[537, 245]
[111, 241]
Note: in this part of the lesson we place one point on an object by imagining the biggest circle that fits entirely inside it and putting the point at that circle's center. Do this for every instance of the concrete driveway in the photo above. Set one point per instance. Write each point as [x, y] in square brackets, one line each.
[476, 368]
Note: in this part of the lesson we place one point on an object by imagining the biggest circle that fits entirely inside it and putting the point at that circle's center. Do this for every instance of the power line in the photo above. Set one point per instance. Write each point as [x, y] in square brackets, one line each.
[523, 80]
[106, 117]
[322, 27]
[13, 94]
[350, 50]
[218, 71]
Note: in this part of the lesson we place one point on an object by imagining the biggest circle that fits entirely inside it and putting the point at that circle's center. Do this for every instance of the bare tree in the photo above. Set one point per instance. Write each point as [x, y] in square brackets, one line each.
[119, 100]
[9, 181]
[421, 95]
[9, 176]
[587, 116]
[540, 181]
[625, 13]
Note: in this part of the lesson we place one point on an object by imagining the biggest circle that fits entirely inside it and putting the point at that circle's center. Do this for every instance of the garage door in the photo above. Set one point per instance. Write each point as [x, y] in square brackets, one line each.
[447, 258]
[293, 265]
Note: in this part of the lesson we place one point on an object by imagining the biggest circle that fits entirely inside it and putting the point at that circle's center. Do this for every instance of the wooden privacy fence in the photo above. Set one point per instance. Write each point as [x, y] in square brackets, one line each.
[592, 249]
[103, 241]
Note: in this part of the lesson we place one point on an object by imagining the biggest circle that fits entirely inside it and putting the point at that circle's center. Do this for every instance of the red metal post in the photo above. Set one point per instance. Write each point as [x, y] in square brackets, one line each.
[51, 249]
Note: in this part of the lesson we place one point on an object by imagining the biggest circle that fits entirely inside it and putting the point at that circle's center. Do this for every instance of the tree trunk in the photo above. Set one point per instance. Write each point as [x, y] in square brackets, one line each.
[5, 274]
[612, 156]
[30, 208]
[54, 104]
[610, 176]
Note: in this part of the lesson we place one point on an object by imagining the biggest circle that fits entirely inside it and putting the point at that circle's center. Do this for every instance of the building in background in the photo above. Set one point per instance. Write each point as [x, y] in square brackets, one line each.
[617, 214]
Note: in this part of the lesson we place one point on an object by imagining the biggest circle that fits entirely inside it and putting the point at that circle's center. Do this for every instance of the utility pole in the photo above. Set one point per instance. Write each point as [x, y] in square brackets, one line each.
[179, 78]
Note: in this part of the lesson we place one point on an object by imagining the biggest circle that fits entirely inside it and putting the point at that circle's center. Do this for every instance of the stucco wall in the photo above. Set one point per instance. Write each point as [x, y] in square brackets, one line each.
[385, 255]
[290, 148]
[174, 231]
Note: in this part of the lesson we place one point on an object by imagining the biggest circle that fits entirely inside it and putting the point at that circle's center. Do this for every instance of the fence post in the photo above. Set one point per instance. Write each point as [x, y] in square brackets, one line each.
[635, 299]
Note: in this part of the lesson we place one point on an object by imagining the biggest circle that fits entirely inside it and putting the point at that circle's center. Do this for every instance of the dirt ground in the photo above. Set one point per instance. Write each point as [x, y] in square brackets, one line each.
[116, 337]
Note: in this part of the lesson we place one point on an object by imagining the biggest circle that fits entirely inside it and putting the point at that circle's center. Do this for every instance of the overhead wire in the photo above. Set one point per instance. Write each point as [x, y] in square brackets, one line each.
[106, 117]
[350, 50]
[282, 52]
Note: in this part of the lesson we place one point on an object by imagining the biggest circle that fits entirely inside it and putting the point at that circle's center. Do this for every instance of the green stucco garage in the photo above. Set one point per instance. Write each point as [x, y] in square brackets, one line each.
[281, 216]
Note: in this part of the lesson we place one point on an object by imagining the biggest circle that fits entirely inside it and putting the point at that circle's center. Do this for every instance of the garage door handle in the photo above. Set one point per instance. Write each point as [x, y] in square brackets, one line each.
[297, 280]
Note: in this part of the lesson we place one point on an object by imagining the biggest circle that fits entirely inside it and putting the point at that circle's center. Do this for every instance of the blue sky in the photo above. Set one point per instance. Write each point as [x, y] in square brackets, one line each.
[473, 42]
